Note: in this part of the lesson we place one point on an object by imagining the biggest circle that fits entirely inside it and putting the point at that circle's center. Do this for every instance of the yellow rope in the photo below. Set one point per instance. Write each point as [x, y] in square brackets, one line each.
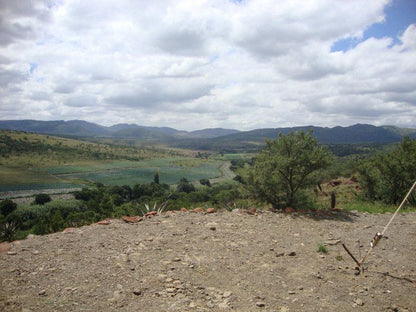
[378, 236]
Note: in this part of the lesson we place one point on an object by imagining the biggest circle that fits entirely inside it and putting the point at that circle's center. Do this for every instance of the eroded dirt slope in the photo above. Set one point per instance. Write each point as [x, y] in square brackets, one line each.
[226, 261]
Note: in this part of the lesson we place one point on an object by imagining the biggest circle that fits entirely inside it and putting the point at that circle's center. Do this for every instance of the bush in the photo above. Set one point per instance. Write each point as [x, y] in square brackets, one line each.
[7, 206]
[41, 199]
[185, 186]
[388, 177]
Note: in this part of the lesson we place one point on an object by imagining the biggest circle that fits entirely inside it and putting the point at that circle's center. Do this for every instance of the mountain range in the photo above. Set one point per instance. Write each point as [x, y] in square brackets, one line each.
[208, 139]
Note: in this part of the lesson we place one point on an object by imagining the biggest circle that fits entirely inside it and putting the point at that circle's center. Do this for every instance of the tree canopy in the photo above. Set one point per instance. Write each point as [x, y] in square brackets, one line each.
[285, 166]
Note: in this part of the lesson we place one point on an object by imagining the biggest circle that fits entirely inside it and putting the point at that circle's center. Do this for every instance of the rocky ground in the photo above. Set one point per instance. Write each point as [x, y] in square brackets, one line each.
[224, 261]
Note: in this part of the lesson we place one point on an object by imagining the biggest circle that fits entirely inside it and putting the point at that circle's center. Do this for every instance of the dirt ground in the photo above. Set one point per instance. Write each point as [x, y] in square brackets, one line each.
[225, 261]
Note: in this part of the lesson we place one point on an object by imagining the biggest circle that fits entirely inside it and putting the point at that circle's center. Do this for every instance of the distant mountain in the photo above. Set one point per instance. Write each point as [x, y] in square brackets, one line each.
[252, 140]
[212, 132]
[78, 128]
[216, 139]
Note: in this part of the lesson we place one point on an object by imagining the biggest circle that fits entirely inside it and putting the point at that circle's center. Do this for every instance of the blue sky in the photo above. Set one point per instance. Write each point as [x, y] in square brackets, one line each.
[210, 63]
[398, 16]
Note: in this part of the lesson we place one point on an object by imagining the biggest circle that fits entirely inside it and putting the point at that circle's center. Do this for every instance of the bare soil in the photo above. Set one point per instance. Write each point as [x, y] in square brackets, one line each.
[225, 261]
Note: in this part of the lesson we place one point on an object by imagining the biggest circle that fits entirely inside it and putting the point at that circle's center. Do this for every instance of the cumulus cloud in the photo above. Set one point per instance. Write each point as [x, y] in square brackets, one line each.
[209, 63]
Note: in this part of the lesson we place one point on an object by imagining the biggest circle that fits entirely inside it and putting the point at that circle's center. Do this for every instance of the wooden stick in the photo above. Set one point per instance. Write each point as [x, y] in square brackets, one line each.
[353, 258]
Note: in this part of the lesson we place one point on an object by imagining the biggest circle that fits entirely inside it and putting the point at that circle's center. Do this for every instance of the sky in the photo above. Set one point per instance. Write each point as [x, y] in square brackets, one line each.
[195, 64]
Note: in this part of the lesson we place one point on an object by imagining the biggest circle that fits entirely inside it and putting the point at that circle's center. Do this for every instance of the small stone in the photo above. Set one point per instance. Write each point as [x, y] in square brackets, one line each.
[42, 292]
[170, 290]
[211, 210]
[358, 302]
[227, 294]
[280, 254]
[223, 305]
[291, 292]
[35, 252]
[260, 304]
[251, 210]
[137, 292]
[192, 305]
[292, 254]
[183, 209]
[104, 222]
[212, 228]
[177, 259]
[11, 253]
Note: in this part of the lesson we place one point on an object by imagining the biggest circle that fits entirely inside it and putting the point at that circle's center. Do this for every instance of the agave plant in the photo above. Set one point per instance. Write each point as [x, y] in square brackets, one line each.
[8, 231]
[159, 208]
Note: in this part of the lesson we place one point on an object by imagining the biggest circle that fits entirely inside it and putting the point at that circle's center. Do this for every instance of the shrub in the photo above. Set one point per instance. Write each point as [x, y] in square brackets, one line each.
[7, 206]
[41, 199]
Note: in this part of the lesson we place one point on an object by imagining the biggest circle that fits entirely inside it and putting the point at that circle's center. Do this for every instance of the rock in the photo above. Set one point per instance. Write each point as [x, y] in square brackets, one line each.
[128, 219]
[5, 247]
[137, 292]
[260, 304]
[358, 302]
[192, 305]
[227, 294]
[280, 254]
[68, 230]
[42, 292]
[251, 210]
[292, 254]
[223, 305]
[212, 228]
[211, 210]
[199, 210]
[291, 292]
[177, 259]
[151, 214]
[333, 242]
[289, 210]
[183, 209]
[104, 222]
[30, 236]
[12, 253]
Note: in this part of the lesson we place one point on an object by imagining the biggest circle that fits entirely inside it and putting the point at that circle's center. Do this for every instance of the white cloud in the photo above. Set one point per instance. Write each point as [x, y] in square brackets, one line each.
[208, 63]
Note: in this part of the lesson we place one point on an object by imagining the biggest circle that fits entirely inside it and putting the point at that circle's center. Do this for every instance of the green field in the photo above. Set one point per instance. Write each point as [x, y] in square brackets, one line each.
[170, 170]
[32, 161]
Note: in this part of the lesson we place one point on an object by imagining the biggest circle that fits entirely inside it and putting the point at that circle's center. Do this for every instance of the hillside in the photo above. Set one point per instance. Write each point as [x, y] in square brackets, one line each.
[226, 261]
[215, 139]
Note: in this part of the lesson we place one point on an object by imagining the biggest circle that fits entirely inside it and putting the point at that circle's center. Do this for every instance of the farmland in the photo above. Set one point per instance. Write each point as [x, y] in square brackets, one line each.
[33, 161]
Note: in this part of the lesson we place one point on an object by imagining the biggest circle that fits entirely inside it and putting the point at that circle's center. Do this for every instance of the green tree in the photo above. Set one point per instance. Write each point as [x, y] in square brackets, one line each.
[41, 199]
[156, 178]
[7, 206]
[285, 166]
[389, 176]
[185, 186]
[205, 182]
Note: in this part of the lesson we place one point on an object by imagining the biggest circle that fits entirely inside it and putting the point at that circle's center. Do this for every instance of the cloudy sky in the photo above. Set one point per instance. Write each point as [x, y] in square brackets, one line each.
[193, 64]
